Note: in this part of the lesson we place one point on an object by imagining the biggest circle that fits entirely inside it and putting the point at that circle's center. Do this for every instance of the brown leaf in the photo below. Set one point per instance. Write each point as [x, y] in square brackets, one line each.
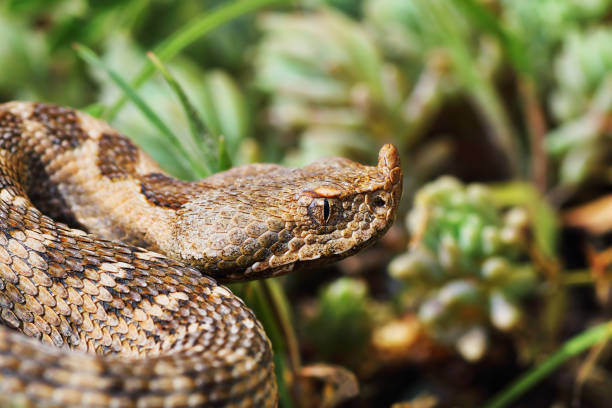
[326, 386]
[594, 216]
[599, 263]
[406, 340]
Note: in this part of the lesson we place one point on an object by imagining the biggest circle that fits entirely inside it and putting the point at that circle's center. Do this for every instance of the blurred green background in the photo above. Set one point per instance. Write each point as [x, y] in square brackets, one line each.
[489, 270]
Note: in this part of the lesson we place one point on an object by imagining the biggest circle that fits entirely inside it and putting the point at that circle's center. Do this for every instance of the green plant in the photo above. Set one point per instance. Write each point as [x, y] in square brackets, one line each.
[467, 266]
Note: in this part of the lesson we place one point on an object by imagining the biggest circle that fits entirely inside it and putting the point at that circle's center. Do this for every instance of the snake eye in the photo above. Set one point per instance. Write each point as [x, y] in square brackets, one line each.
[326, 210]
[321, 210]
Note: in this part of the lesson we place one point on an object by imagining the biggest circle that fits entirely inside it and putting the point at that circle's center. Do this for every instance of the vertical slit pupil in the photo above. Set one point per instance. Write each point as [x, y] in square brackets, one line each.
[326, 209]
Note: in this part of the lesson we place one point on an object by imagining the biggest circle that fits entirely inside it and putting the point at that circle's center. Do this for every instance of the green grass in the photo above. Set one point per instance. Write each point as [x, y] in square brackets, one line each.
[198, 27]
[539, 372]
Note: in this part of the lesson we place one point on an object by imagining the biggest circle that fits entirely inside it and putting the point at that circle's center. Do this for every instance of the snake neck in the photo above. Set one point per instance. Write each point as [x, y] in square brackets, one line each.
[83, 173]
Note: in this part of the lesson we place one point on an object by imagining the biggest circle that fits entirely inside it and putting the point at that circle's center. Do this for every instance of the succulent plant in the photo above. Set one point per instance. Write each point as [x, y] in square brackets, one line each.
[543, 24]
[466, 269]
[581, 69]
[327, 83]
[341, 324]
[340, 86]
[581, 100]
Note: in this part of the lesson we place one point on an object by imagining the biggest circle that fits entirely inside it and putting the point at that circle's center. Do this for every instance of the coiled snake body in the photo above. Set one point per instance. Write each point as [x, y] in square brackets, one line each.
[122, 325]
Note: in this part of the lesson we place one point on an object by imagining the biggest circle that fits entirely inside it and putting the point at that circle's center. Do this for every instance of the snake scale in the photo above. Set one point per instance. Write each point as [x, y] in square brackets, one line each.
[94, 316]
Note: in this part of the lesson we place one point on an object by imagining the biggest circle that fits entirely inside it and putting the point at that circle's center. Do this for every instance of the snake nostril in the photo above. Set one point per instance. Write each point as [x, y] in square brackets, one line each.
[379, 202]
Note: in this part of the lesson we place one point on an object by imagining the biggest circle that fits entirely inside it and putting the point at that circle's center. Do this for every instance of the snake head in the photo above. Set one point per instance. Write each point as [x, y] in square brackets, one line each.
[264, 220]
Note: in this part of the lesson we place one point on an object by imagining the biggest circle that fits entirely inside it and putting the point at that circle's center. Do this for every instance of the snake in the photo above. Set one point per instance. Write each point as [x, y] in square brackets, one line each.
[112, 271]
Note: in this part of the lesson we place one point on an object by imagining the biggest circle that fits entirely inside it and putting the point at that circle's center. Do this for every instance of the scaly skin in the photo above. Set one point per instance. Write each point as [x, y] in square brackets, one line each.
[123, 325]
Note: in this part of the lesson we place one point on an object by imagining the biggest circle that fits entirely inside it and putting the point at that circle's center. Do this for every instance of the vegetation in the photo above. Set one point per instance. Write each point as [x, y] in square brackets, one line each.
[497, 271]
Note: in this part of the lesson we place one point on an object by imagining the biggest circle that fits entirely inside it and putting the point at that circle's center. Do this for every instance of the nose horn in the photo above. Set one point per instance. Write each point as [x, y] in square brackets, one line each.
[389, 163]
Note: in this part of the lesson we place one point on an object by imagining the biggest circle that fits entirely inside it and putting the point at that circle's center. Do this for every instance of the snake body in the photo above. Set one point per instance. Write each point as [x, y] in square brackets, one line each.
[93, 315]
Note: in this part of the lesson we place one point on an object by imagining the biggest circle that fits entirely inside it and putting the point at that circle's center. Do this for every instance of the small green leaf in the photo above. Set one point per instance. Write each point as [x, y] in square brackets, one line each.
[545, 220]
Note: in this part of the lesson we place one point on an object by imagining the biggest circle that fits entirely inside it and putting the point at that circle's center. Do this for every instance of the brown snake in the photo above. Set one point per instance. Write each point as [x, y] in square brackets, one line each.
[122, 325]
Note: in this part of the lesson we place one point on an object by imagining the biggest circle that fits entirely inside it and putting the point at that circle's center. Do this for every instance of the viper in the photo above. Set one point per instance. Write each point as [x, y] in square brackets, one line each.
[109, 266]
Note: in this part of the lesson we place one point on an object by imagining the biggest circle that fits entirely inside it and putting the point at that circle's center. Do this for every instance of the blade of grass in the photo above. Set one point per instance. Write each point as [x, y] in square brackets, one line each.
[89, 56]
[201, 143]
[225, 161]
[255, 297]
[95, 109]
[277, 298]
[279, 306]
[197, 28]
[224, 109]
[570, 348]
